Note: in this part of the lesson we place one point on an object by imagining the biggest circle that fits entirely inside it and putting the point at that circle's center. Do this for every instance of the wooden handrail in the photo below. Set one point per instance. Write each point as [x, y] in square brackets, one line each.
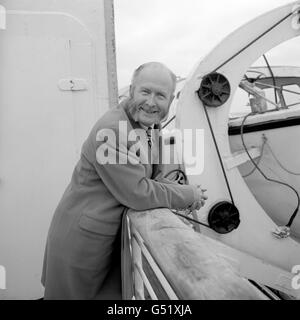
[194, 265]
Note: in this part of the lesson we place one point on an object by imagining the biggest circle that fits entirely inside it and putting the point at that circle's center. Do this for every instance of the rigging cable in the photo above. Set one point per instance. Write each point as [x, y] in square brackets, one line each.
[273, 78]
[169, 121]
[253, 41]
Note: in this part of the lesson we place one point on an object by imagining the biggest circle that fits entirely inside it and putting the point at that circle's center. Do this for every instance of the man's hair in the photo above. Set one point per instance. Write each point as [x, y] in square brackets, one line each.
[150, 64]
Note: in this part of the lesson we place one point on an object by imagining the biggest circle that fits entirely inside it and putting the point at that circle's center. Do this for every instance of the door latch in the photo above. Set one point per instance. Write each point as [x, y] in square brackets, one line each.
[72, 84]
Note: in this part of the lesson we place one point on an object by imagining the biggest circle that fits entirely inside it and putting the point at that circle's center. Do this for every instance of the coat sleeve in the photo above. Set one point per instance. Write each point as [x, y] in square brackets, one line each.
[130, 186]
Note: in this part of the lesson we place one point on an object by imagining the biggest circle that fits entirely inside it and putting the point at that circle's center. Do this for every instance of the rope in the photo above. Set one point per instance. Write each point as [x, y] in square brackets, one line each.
[190, 219]
[293, 216]
[219, 155]
[280, 164]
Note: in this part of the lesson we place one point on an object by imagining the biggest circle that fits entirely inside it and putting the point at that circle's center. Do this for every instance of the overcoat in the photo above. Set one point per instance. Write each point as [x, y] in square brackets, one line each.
[84, 230]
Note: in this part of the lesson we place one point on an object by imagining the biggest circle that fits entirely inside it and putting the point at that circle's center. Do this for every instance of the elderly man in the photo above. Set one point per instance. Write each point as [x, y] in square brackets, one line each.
[85, 227]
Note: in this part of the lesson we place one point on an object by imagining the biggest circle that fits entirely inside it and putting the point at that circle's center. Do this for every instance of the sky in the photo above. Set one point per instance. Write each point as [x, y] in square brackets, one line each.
[179, 33]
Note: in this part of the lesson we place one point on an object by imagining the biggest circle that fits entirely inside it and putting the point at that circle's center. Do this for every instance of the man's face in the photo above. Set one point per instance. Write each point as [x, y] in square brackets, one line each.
[151, 96]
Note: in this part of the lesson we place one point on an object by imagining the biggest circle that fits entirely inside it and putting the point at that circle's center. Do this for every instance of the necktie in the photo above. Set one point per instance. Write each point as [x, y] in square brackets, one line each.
[148, 132]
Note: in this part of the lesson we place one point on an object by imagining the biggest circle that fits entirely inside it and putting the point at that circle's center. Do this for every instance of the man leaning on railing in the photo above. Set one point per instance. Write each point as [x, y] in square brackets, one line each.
[116, 171]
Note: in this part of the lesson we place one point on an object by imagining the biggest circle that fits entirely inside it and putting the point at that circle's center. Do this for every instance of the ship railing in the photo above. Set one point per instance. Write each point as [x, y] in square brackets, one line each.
[169, 260]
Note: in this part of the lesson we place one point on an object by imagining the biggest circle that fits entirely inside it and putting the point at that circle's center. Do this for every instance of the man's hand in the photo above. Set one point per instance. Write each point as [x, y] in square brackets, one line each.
[196, 205]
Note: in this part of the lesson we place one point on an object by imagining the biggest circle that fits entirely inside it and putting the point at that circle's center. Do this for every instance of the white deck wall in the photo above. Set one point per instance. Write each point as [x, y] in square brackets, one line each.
[43, 125]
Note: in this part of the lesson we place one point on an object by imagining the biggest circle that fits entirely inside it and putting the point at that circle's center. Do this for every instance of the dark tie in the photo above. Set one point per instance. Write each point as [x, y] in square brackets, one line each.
[148, 131]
